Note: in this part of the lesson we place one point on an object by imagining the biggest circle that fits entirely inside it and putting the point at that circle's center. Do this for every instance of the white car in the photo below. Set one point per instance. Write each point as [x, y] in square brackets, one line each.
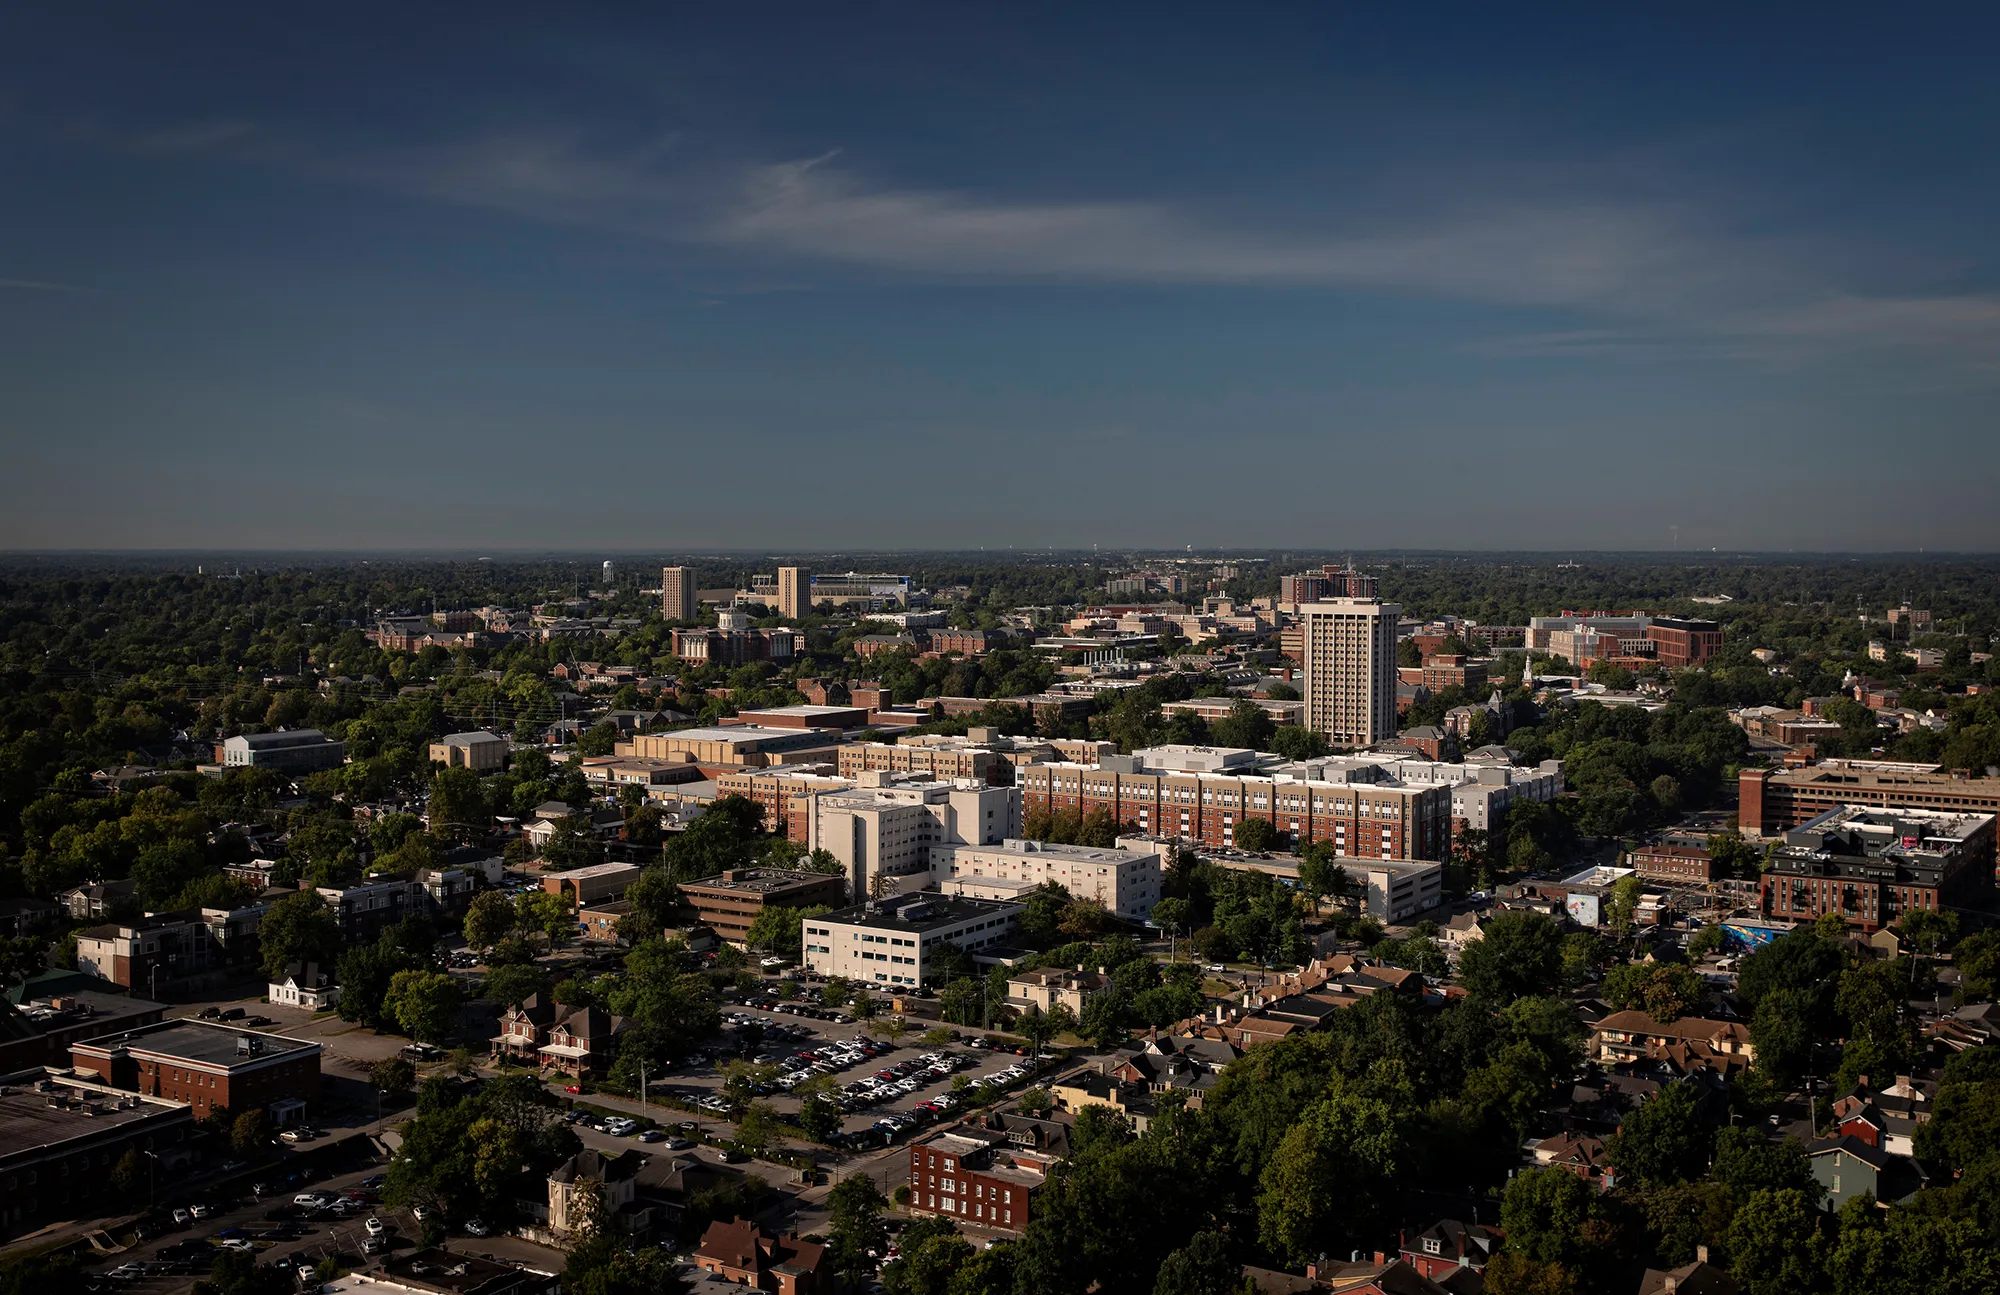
[375, 1226]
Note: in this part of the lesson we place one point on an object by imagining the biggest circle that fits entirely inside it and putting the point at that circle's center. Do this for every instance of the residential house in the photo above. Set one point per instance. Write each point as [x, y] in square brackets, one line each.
[1698, 1278]
[740, 1251]
[571, 1040]
[1448, 1246]
[1578, 1154]
[1848, 1167]
[97, 899]
[1888, 1118]
[1052, 987]
[613, 1179]
[306, 985]
[1688, 1046]
[976, 1175]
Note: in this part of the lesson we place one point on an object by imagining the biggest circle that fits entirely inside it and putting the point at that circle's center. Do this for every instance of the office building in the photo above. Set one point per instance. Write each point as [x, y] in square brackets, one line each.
[734, 646]
[1869, 866]
[1124, 883]
[1350, 669]
[595, 882]
[209, 1066]
[60, 1138]
[1682, 643]
[41, 1030]
[299, 750]
[677, 593]
[731, 903]
[794, 590]
[886, 942]
[1772, 800]
[1398, 890]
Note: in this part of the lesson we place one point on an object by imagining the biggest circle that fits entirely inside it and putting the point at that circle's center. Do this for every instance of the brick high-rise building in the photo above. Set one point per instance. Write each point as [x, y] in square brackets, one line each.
[1350, 669]
[794, 592]
[677, 593]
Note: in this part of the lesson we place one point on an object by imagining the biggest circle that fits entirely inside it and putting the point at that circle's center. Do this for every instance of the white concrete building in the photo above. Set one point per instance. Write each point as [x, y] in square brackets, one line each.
[884, 830]
[1125, 883]
[1397, 890]
[886, 942]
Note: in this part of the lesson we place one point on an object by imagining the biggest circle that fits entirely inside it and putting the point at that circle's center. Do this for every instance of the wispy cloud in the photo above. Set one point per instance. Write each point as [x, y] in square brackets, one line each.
[43, 285]
[1653, 266]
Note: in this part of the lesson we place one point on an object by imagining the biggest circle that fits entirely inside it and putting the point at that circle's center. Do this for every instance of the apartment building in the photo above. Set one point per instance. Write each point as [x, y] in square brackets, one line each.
[1452, 670]
[1774, 800]
[372, 906]
[1361, 819]
[732, 902]
[1212, 709]
[1125, 883]
[883, 831]
[60, 1137]
[1349, 648]
[885, 942]
[976, 1176]
[954, 758]
[678, 601]
[788, 793]
[1869, 866]
[172, 952]
[794, 592]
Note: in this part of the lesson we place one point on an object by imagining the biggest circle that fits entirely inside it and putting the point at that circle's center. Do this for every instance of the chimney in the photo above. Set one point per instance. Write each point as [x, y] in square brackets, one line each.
[1671, 1285]
[1701, 1254]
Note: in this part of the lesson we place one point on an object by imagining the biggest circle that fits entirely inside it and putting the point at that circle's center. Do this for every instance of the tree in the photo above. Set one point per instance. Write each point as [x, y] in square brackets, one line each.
[1256, 835]
[1324, 1188]
[1666, 991]
[1296, 742]
[1042, 910]
[489, 919]
[1664, 1141]
[652, 902]
[932, 1253]
[729, 835]
[1201, 1267]
[599, 1265]
[1543, 1215]
[573, 843]
[819, 1116]
[250, 1133]
[393, 1075]
[548, 915]
[1520, 955]
[131, 1174]
[854, 1209]
[511, 983]
[299, 928]
[1171, 914]
[779, 929]
[1319, 875]
[424, 1004]
[1082, 919]
[1774, 1244]
[458, 803]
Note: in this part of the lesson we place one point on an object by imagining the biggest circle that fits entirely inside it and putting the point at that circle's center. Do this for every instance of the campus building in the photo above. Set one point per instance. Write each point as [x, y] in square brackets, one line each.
[1349, 648]
[732, 902]
[886, 942]
[207, 1065]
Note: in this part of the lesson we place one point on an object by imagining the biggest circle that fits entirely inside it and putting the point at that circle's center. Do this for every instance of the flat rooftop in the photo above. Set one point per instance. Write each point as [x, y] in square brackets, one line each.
[738, 733]
[1053, 850]
[921, 910]
[593, 871]
[31, 1120]
[760, 881]
[806, 710]
[203, 1042]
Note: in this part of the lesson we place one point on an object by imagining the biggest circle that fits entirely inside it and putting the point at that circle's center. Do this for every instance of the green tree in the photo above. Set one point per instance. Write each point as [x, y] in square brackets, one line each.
[489, 919]
[600, 1265]
[393, 1075]
[1664, 1141]
[932, 1253]
[424, 1004]
[1201, 1267]
[1543, 1214]
[458, 805]
[1666, 991]
[854, 1209]
[652, 904]
[250, 1132]
[1520, 955]
[573, 843]
[299, 928]
[1775, 1246]
[1257, 835]
[1325, 1185]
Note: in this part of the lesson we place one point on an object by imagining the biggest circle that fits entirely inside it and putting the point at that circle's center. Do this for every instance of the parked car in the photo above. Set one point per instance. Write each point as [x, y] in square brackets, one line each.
[375, 1226]
[476, 1228]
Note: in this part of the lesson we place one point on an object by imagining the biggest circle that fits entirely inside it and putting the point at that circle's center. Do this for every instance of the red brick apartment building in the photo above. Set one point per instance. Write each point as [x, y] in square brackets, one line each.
[974, 1177]
[208, 1066]
[1684, 643]
[1452, 670]
[1364, 821]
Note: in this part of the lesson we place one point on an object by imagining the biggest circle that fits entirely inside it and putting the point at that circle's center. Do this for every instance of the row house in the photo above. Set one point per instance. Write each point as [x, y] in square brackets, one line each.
[1687, 1046]
[1361, 820]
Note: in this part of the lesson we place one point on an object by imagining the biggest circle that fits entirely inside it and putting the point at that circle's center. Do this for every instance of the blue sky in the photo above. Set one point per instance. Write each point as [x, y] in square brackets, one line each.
[1567, 276]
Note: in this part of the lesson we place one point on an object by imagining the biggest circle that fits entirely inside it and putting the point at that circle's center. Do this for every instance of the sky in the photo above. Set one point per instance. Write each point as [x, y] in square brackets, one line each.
[489, 277]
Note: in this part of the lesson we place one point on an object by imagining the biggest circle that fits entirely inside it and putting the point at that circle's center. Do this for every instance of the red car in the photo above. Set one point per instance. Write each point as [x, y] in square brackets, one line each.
[572, 1088]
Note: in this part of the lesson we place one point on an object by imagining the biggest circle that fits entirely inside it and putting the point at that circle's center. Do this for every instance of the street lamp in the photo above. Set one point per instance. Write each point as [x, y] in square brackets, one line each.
[152, 1165]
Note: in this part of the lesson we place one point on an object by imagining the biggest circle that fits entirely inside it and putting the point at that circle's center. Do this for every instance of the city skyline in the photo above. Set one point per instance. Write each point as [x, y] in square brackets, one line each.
[1549, 282]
